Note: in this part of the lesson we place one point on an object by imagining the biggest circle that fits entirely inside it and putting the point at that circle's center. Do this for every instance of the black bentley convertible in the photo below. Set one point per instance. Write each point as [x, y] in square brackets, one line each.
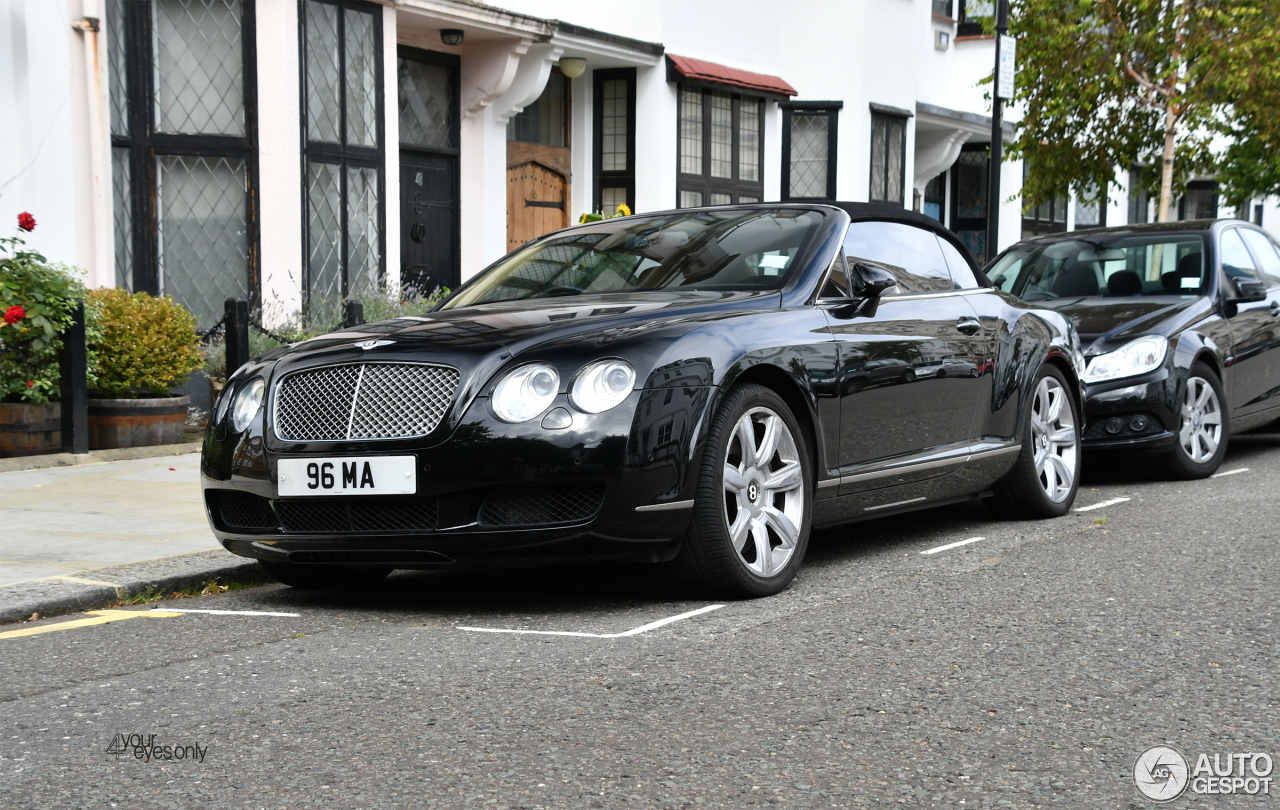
[1181, 327]
[698, 388]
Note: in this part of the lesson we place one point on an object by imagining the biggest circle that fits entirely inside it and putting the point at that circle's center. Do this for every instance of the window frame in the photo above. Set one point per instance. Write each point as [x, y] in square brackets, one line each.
[832, 110]
[145, 145]
[343, 154]
[881, 112]
[704, 183]
[454, 64]
[613, 178]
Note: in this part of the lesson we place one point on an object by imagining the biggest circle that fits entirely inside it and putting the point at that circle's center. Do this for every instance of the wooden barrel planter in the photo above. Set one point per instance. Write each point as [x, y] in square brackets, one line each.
[30, 430]
[136, 422]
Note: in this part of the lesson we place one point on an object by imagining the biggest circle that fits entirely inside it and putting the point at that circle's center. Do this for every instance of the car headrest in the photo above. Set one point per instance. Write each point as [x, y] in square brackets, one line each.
[1188, 267]
[1076, 279]
[1125, 282]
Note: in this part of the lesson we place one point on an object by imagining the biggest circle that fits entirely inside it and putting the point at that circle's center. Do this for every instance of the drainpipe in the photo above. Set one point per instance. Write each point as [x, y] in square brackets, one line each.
[103, 268]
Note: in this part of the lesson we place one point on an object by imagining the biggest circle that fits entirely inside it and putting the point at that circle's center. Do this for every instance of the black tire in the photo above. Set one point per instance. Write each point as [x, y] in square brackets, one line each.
[908, 376]
[942, 372]
[1024, 492]
[1179, 462]
[708, 564]
[326, 577]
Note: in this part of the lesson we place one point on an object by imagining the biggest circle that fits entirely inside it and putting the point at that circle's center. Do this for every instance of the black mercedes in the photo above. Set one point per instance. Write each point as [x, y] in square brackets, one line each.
[1181, 327]
[691, 388]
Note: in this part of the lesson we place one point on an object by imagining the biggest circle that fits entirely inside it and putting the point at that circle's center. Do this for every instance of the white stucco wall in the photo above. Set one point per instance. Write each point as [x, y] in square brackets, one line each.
[282, 221]
[41, 82]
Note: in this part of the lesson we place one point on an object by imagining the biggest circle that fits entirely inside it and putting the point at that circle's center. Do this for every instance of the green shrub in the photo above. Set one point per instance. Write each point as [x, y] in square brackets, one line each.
[39, 299]
[146, 346]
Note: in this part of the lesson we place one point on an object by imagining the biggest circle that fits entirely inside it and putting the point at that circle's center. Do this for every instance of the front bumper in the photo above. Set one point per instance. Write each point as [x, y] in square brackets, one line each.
[490, 493]
[1133, 414]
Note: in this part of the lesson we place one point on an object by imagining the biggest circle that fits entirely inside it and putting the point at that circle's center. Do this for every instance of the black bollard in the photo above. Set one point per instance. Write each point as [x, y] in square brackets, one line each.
[352, 314]
[74, 361]
[237, 326]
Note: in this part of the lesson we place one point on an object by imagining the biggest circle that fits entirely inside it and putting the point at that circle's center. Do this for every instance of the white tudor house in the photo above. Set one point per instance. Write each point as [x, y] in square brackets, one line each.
[288, 148]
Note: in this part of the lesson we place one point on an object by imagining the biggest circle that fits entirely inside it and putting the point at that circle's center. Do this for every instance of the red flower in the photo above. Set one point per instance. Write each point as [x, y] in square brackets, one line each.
[31, 383]
[26, 222]
[14, 314]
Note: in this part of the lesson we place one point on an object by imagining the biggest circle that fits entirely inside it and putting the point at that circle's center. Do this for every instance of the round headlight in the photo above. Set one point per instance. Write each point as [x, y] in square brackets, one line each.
[247, 403]
[602, 385]
[526, 392]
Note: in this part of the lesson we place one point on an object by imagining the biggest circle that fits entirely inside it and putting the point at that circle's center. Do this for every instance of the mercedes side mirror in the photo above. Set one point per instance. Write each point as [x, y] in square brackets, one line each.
[1246, 290]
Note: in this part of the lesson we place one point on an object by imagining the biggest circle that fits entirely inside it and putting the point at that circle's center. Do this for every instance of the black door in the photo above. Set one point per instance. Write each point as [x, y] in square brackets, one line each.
[428, 221]
[910, 376]
[1255, 327]
[428, 100]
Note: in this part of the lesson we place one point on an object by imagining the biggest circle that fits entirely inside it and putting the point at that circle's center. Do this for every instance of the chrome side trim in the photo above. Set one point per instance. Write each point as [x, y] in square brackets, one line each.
[956, 460]
[909, 468]
[942, 294]
[999, 451]
[895, 503]
[666, 507]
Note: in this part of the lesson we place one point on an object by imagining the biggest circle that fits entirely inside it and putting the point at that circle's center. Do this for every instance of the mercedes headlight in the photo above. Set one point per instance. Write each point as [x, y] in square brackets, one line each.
[602, 385]
[1134, 358]
[247, 403]
[525, 392]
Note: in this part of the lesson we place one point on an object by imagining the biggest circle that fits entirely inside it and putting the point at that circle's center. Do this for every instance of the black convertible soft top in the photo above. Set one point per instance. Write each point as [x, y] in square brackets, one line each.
[882, 212]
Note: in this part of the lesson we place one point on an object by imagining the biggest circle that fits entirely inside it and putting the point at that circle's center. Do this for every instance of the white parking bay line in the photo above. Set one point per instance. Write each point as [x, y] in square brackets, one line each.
[644, 628]
[953, 545]
[1092, 506]
[1230, 472]
[230, 612]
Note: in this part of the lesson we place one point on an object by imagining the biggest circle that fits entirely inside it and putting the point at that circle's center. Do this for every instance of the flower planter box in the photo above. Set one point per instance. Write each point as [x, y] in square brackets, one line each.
[136, 422]
[30, 430]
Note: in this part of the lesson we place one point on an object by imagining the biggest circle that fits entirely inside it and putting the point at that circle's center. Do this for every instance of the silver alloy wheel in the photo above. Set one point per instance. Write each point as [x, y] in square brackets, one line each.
[1201, 423]
[1053, 439]
[763, 491]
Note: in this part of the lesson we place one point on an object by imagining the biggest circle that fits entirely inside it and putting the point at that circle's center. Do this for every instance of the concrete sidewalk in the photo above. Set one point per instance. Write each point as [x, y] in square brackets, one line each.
[79, 537]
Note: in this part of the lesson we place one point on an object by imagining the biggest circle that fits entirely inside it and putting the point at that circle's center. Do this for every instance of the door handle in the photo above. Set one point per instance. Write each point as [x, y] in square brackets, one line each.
[1275, 309]
[969, 326]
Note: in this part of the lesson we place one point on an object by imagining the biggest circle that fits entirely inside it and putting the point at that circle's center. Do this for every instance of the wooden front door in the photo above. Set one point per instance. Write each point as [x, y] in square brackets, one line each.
[536, 202]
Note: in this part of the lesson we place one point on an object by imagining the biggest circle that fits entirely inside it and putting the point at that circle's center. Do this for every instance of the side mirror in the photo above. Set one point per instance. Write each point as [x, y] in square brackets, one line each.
[875, 279]
[1245, 290]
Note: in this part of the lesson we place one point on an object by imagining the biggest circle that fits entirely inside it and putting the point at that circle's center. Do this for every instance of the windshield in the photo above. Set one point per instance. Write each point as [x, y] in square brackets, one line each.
[1105, 265]
[730, 249]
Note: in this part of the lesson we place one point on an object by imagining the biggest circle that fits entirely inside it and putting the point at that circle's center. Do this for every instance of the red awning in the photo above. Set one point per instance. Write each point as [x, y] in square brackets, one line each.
[710, 72]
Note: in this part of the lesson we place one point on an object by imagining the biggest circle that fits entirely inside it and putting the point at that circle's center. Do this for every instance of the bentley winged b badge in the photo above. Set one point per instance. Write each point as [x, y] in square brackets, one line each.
[373, 344]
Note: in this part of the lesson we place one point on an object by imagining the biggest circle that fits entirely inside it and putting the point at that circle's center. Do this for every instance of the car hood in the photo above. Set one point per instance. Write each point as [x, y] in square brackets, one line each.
[480, 339]
[1104, 323]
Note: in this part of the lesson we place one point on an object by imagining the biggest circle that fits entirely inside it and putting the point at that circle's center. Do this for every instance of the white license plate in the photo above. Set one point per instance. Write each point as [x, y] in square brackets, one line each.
[368, 475]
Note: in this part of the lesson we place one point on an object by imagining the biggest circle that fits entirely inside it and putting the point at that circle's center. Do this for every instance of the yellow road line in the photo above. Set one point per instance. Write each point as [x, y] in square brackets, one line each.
[99, 617]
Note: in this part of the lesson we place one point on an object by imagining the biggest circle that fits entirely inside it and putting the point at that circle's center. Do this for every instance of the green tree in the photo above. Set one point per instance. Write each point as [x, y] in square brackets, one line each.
[1108, 83]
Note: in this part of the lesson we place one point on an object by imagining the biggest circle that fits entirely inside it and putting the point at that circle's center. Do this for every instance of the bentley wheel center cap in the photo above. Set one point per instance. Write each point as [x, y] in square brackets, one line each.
[753, 491]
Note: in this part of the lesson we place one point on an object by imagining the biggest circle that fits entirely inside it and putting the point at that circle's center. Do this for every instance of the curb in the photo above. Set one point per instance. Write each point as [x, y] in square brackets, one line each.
[101, 587]
[44, 462]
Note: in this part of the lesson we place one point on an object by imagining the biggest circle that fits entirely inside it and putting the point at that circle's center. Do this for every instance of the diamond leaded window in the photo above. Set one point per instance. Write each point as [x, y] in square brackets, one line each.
[183, 149]
[342, 108]
[809, 149]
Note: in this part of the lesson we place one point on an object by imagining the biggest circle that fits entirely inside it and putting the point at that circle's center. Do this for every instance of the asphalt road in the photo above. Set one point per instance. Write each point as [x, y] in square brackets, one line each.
[1026, 669]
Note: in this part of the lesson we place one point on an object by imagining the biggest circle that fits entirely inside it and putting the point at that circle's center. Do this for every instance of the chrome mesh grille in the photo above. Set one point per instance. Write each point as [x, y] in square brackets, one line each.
[363, 401]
